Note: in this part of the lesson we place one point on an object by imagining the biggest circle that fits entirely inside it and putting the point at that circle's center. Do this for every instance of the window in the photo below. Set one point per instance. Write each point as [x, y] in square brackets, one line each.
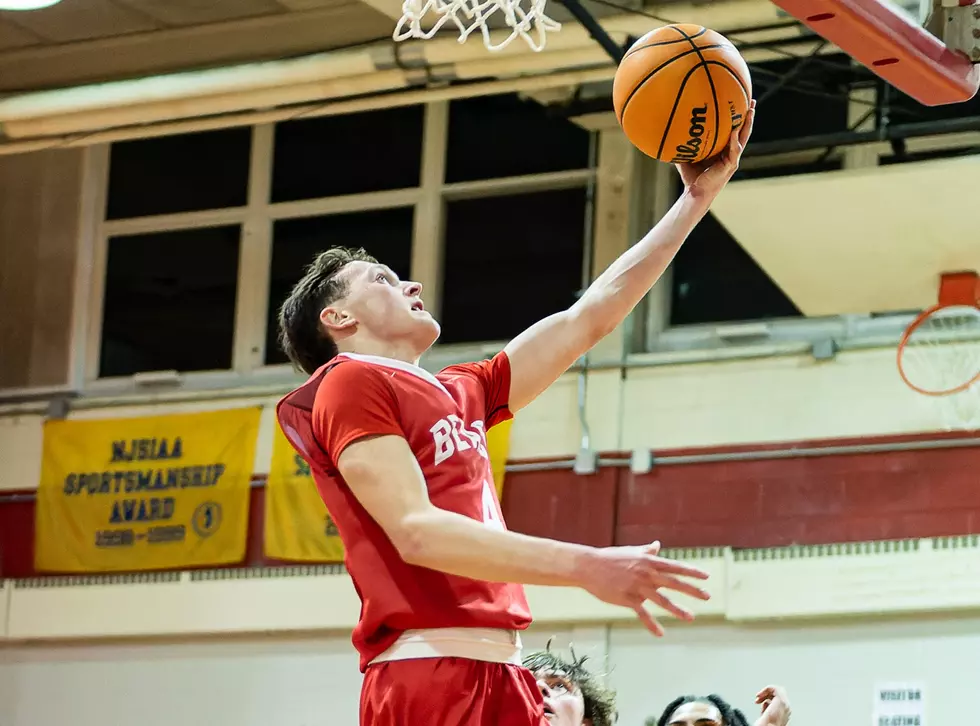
[170, 301]
[334, 155]
[497, 136]
[510, 261]
[813, 100]
[385, 233]
[715, 280]
[172, 174]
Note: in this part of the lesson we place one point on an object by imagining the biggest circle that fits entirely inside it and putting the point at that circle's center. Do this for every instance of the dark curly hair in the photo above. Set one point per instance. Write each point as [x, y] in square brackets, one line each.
[729, 716]
[600, 702]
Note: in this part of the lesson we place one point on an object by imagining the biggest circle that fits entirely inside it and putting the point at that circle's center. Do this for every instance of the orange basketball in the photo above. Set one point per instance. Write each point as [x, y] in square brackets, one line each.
[680, 91]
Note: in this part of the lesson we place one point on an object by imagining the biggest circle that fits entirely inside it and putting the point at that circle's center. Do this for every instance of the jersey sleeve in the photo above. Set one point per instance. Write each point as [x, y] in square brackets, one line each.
[354, 402]
[493, 376]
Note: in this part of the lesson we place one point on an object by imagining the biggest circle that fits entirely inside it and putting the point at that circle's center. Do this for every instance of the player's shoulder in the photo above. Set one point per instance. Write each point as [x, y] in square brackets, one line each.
[461, 373]
[345, 377]
[479, 371]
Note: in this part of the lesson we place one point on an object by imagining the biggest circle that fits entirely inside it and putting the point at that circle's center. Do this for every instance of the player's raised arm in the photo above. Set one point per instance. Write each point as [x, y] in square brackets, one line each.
[384, 476]
[540, 354]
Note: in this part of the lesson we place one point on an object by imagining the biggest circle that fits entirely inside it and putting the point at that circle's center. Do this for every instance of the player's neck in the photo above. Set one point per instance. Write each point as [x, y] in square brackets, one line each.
[395, 351]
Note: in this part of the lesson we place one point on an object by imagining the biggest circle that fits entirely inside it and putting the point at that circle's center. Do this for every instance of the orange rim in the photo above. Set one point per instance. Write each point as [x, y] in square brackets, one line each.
[923, 316]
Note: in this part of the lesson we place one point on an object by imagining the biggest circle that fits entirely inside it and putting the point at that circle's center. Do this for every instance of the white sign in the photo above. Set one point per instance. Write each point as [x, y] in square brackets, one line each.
[899, 704]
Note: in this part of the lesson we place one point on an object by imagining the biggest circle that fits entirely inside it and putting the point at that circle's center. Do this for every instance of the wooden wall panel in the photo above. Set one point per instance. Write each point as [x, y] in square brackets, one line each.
[40, 198]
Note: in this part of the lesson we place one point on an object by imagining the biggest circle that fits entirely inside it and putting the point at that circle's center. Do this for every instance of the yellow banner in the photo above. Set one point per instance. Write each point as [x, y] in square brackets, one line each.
[298, 527]
[498, 447]
[162, 492]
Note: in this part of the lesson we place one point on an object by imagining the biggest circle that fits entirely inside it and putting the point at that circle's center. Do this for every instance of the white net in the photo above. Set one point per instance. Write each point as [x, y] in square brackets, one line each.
[525, 19]
[941, 359]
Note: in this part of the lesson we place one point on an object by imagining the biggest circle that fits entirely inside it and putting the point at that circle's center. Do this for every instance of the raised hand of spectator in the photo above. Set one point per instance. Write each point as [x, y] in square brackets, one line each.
[775, 706]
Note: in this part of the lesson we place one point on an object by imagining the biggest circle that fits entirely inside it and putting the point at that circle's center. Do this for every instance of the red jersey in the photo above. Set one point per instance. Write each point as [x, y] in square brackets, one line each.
[444, 418]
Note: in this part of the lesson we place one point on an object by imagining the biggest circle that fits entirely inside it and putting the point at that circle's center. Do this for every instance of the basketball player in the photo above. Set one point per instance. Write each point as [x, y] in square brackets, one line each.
[399, 457]
[714, 710]
[572, 695]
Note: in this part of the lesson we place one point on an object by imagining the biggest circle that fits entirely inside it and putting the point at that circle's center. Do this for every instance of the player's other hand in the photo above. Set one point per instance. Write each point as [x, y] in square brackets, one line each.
[630, 576]
[705, 179]
[775, 706]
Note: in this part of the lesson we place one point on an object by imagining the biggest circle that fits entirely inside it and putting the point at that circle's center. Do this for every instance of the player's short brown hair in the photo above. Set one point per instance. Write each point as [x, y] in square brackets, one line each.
[301, 335]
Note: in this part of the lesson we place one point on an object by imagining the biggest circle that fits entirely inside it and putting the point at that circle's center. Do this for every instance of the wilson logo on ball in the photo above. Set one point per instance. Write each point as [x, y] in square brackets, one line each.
[736, 116]
[689, 150]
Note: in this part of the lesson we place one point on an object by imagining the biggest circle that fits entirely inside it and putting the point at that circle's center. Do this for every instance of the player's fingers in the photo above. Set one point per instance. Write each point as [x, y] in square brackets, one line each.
[653, 548]
[661, 581]
[649, 622]
[746, 129]
[670, 606]
[673, 567]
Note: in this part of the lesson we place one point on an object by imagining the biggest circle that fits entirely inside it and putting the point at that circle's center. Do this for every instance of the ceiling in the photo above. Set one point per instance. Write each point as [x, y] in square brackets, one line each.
[84, 41]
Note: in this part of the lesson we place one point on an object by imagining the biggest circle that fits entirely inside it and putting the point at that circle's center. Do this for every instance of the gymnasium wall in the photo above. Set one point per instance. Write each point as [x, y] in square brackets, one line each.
[829, 668]
[40, 208]
[763, 400]
[829, 619]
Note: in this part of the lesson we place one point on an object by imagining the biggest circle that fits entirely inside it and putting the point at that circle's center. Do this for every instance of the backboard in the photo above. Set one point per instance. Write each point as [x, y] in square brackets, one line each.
[931, 60]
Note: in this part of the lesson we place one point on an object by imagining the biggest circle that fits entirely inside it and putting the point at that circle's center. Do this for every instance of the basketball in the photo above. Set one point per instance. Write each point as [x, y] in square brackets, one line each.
[679, 92]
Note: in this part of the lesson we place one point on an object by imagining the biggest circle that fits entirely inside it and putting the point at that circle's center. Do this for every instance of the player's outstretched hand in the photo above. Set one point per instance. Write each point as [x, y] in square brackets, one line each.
[775, 706]
[705, 179]
[630, 576]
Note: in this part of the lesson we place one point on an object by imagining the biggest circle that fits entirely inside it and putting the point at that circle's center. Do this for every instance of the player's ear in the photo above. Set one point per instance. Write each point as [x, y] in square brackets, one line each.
[337, 320]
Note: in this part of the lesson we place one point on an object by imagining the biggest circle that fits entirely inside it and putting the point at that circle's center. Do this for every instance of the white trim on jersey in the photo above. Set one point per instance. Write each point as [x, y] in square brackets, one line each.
[483, 644]
[398, 365]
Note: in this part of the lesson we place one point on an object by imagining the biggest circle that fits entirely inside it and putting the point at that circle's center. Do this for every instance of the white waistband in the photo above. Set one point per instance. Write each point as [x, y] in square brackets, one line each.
[486, 644]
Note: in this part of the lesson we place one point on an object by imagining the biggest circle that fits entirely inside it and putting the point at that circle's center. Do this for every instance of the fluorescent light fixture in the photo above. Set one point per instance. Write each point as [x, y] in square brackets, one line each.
[27, 4]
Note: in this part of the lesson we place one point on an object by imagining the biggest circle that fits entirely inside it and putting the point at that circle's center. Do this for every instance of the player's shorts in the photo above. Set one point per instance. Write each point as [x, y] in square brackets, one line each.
[448, 690]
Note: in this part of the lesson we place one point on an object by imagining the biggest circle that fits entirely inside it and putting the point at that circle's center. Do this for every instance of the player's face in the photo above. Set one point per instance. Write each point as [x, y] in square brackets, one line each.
[696, 713]
[563, 703]
[386, 308]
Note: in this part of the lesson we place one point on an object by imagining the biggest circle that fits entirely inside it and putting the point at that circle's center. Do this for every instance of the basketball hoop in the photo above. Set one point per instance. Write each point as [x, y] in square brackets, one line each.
[939, 353]
[525, 18]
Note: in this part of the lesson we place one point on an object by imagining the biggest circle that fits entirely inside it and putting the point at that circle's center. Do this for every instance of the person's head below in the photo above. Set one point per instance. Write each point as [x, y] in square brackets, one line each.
[349, 302]
[572, 695]
[710, 710]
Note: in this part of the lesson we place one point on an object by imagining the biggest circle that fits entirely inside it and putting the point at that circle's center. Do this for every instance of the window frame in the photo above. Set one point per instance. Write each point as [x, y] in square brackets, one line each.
[256, 220]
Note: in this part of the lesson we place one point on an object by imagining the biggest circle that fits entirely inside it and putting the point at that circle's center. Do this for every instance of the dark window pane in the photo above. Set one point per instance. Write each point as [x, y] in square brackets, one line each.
[715, 280]
[333, 155]
[170, 301]
[809, 98]
[497, 136]
[186, 173]
[386, 234]
[903, 109]
[510, 261]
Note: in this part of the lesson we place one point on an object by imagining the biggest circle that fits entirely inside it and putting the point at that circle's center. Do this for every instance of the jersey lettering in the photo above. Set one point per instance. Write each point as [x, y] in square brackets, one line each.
[450, 436]
[491, 517]
[442, 438]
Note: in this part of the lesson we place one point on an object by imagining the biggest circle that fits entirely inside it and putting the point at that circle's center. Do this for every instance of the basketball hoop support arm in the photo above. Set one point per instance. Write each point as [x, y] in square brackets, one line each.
[597, 32]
